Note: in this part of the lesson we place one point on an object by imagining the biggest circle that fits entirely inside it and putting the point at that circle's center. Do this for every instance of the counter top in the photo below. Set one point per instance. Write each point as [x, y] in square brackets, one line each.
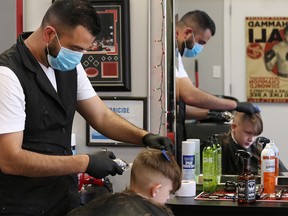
[189, 206]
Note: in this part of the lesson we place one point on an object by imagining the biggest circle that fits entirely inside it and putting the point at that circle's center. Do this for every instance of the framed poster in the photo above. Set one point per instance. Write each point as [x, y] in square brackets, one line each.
[107, 63]
[133, 109]
[267, 59]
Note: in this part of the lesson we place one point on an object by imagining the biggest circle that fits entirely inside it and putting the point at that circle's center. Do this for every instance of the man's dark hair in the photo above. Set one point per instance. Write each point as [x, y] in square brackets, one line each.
[201, 19]
[68, 14]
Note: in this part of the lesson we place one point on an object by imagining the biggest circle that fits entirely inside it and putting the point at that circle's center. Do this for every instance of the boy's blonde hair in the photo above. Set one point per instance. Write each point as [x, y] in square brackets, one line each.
[255, 119]
[151, 165]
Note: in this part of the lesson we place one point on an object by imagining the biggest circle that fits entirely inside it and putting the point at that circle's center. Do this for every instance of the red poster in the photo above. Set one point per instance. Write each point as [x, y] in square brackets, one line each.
[267, 59]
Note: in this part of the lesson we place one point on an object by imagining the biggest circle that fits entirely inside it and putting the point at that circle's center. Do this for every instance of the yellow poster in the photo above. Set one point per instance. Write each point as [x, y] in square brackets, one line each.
[267, 59]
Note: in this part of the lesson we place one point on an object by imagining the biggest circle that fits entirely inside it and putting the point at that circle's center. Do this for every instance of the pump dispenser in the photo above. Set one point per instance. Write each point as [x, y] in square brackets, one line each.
[218, 149]
[268, 169]
[276, 150]
[209, 161]
[246, 181]
[260, 145]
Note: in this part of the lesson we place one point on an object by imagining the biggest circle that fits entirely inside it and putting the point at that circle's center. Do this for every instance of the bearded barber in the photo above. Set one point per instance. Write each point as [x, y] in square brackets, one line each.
[193, 31]
[42, 84]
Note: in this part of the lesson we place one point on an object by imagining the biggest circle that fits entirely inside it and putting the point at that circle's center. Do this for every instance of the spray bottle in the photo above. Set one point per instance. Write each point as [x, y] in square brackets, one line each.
[268, 169]
[276, 150]
[260, 145]
[246, 181]
[197, 157]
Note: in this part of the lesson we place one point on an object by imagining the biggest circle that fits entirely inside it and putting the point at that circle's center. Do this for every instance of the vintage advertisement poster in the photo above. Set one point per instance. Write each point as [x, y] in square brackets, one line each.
[267, 59]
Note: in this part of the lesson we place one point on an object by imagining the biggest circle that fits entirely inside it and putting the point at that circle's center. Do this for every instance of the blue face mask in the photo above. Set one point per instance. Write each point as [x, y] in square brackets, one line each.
[195, 51]
[197, 48]
[65, 60]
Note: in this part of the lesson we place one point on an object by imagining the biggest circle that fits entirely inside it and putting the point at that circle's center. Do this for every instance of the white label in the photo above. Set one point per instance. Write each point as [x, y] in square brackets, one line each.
[188, 167]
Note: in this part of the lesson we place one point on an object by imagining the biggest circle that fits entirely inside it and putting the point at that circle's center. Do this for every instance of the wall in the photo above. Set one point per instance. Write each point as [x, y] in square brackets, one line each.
[212, 54]
[7, 23]
[33, 12]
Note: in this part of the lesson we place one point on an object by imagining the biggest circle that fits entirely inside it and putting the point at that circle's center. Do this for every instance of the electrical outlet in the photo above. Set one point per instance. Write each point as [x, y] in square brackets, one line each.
[216, 71]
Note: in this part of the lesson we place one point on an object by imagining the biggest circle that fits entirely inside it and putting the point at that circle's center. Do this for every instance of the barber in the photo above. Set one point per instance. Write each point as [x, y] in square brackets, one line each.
[42, 84]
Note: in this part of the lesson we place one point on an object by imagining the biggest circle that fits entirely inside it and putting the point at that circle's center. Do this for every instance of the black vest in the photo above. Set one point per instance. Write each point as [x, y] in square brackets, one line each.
[48, 126]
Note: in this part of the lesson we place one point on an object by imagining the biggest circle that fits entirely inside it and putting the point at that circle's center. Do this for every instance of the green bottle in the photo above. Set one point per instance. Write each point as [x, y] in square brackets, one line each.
[209, 161]
[218, 148]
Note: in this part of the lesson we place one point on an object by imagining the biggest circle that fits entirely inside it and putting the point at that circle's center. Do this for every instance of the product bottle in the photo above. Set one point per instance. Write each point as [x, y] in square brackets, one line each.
[260, 145]
[209, 163]
[246, 181]
[218, 149]
[188, 160]
[196, 142]
[276, 150]
[268, 169]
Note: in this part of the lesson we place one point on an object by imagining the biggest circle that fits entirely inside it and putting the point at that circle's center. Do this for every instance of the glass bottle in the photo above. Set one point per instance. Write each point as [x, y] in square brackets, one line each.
[246, 182]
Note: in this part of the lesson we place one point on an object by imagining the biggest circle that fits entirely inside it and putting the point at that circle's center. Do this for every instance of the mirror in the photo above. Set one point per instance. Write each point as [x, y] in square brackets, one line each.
[170, 68]
[217, 56]
[198, 67]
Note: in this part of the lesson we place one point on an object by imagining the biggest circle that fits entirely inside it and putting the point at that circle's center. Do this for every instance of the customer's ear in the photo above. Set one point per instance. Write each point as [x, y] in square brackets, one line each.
[155, 189]
[233, 126]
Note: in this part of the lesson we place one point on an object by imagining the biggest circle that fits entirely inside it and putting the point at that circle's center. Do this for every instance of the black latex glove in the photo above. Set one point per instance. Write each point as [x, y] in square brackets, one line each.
[158, 142]
[101, 164]
[247, 107]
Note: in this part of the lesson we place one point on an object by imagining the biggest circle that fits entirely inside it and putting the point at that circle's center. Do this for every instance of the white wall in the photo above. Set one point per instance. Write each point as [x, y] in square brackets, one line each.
[34, 11]
[8, 27]
[212, 54]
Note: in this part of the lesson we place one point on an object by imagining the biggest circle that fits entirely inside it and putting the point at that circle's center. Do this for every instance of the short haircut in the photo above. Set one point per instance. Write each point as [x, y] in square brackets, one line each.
[199, 18]
[255, 119]
[155, 161]
[68, 14]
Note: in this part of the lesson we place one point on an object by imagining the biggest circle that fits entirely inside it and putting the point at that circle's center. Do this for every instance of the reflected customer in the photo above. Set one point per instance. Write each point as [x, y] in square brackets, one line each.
[193, 31]
[244, 132]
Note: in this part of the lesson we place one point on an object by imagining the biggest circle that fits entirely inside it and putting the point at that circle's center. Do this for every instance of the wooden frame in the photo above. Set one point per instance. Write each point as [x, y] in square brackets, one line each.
[133, 109]
[107, 64]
